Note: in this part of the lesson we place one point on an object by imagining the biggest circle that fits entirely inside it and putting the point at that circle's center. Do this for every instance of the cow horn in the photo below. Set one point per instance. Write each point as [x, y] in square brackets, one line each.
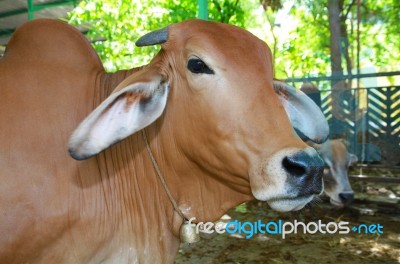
[154, 37]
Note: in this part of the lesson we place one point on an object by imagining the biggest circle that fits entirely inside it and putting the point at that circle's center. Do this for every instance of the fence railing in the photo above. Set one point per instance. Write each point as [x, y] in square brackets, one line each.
[368, 117]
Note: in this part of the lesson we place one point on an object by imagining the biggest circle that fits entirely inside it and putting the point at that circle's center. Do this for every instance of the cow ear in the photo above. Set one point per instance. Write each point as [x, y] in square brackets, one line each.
[352, 159]
[136, 103]
[306, 117]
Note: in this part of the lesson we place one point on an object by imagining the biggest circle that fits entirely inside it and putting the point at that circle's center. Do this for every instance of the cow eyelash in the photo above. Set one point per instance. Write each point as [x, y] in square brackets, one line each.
[198, 66]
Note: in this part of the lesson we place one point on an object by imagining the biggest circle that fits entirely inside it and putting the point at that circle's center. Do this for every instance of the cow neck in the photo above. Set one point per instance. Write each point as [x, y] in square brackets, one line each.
[109, 81]
[187, 232]
[160, 176]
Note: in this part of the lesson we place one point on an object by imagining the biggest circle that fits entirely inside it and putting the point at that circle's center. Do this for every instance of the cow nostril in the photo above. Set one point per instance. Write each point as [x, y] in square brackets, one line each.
[346, 198]
[294, 168]
[304, 172]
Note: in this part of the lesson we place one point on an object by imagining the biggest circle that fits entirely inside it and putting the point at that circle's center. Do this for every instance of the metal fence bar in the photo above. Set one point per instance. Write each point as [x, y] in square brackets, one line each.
[343, 77]
[380, 178]
[374, 131]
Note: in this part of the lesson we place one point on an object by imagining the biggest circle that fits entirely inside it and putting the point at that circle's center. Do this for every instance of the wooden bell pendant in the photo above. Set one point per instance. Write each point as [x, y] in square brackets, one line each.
[188, 233]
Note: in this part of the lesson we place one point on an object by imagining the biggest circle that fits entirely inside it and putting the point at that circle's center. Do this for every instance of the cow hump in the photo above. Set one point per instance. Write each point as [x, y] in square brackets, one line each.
[52, 43]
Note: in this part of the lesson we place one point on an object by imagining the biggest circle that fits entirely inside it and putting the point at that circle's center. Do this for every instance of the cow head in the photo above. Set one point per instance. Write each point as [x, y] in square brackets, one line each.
[209, 94]
[336, 179]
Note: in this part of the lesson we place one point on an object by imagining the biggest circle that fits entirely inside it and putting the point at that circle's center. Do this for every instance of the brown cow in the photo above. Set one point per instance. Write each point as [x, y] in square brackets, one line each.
[217, 130]
[336, 180]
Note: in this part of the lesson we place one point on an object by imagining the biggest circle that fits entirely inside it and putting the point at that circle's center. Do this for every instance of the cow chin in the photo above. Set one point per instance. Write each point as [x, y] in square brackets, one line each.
[284, 202]
[336, 203]
[287, 204]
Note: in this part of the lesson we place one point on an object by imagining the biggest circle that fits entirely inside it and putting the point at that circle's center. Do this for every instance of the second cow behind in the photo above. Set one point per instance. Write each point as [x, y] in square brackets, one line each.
[336, 180]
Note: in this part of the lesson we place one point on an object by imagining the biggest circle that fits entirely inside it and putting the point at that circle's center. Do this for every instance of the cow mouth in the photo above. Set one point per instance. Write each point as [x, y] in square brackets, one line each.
[286, 204]
[336, 203]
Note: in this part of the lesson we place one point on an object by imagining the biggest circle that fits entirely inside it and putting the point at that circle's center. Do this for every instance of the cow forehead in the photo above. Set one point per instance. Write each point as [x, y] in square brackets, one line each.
[337, 152]
[218, 40]
[338, 148]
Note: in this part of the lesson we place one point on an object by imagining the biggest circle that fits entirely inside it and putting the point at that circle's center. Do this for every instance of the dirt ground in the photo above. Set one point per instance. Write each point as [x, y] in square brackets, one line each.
[374, 204]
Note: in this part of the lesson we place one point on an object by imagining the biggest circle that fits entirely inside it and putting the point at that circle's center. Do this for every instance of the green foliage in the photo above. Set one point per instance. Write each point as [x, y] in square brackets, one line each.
[380, 33]
[227, 11]
[307, 52]
[274, 5]
[241, 208]
[116, 25]
[304, 50]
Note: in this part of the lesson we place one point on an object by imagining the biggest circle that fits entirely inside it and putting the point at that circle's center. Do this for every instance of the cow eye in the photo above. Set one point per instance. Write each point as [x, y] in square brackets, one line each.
[198, 66]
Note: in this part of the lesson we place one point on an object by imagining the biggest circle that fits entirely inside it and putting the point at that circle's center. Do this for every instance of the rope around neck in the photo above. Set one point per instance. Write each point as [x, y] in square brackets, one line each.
[160, 176]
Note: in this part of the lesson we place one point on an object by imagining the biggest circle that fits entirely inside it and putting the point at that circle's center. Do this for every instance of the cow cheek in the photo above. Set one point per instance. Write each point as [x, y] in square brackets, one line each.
[330, 184]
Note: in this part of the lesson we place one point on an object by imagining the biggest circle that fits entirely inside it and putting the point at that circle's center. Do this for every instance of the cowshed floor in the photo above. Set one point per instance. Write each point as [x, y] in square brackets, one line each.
[375, 203]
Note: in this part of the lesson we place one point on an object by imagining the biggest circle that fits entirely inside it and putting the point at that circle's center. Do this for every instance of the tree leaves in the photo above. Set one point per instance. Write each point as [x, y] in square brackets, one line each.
[304, 50]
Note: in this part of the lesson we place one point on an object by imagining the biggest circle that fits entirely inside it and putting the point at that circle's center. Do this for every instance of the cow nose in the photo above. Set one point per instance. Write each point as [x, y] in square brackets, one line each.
[295, 166]
[305, 171]
[346, 198]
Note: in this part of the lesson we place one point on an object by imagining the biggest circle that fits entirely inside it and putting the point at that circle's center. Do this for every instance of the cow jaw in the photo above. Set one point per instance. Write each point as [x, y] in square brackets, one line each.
[288, 187]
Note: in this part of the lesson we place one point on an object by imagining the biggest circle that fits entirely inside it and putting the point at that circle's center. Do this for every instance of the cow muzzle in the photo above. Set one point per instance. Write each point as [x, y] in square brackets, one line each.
[289, 179]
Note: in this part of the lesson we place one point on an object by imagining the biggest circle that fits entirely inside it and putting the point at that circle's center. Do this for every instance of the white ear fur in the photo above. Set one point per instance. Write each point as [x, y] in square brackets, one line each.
[123, 113]
[353, 159]
[306, 117]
